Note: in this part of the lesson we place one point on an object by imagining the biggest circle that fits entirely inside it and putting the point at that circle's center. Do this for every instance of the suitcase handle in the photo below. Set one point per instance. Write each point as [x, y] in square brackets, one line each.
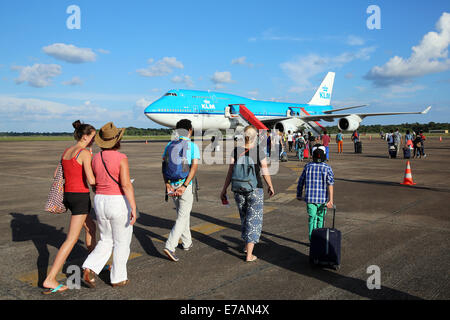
[334, 215]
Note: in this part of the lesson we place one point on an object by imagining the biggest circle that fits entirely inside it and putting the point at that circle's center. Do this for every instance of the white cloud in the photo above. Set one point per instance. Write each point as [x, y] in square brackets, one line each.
[242, 61]
[270, 35]
[253, 93]
[30, 109]
[187, 80]
[37, 75]
[75, 81]
[302, 69]
[355, 40]
[430, 56]
[161, 67]
[402, 91]
[103, 51]
[219, 78]
[349, 75]
[70, 53]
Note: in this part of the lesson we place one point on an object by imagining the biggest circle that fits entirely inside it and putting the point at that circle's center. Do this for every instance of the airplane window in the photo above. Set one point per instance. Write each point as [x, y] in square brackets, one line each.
[171, 94]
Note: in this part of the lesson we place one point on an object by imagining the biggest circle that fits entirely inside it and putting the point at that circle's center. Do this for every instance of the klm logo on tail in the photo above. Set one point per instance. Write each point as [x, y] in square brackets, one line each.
[322, 97]
[324, 94]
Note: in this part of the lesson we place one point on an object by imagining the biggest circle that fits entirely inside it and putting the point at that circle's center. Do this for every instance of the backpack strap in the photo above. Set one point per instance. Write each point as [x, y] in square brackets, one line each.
[101, 155]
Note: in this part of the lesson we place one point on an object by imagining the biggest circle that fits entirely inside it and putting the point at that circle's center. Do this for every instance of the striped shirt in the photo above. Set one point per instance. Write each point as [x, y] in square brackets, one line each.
[316, 177]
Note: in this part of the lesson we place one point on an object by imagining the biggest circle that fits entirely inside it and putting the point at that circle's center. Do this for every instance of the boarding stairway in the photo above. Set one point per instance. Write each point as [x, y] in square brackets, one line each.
[246, 117]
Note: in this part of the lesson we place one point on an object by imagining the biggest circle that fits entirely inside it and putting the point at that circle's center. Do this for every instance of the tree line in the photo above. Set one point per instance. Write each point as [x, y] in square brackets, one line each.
[130, 131]
[375, 128]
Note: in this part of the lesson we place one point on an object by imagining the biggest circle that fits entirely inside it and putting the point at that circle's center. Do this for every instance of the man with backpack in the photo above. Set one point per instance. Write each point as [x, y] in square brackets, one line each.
[180, 163]
[300, 146]
[391, 147]
[397, 140]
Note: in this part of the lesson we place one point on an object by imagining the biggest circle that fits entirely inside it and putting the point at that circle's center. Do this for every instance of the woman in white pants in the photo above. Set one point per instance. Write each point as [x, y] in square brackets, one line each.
[115, 208]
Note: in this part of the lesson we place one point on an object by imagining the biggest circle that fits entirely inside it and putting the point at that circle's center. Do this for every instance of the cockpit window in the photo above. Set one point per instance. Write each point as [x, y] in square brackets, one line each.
[171, 94]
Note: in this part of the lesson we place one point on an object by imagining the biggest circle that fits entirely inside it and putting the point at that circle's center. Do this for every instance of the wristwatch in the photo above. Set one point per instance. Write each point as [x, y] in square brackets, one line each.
[184, 185]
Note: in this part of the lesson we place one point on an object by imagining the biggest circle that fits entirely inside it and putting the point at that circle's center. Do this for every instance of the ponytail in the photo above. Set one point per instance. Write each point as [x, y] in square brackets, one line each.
[81, 129]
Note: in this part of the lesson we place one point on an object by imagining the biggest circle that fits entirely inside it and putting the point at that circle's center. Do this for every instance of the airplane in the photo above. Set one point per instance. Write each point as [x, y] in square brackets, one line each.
[215, 110]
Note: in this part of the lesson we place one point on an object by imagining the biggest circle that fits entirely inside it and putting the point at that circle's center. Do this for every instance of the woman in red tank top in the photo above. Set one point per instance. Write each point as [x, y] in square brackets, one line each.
[77, 167]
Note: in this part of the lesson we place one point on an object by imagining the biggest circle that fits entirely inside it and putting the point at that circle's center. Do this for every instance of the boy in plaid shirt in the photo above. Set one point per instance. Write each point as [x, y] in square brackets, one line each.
[318, 179]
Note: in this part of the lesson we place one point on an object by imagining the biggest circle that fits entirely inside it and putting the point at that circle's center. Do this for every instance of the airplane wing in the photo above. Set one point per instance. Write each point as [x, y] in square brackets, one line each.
[346, 108]
[331, 117]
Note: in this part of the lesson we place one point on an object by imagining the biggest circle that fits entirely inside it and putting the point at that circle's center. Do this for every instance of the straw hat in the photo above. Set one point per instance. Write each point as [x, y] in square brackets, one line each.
[108, 136]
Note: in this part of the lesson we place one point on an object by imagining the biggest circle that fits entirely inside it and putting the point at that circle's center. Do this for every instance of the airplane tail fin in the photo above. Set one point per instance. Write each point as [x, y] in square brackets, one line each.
[322, 97]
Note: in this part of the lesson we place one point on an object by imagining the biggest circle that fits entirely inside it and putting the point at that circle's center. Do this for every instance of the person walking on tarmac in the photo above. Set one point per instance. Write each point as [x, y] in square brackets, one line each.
[340, 141]
[318, 179]
[355, 139]
[397, 140]
[180, 163]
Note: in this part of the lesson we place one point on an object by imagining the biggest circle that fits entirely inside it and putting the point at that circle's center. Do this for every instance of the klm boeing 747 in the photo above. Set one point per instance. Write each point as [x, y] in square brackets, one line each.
[214, 110]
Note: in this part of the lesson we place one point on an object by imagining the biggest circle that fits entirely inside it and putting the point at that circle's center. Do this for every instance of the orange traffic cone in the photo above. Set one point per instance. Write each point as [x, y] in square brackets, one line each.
[440, 138]
[408, 180]
[146, 142]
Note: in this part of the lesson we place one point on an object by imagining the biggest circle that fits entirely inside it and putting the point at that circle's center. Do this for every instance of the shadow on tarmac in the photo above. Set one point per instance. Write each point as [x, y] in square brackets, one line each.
[295, 261]
[145, 237]
[393, 184]
[28, 227]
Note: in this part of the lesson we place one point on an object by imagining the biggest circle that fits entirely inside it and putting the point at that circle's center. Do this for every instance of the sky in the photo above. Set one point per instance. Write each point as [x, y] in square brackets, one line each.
[114, 58]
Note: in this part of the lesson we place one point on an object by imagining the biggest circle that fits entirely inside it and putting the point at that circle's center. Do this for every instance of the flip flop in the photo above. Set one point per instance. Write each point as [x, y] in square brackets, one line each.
[120, 284]
[89, 278]
[253, 259]
[54, 290]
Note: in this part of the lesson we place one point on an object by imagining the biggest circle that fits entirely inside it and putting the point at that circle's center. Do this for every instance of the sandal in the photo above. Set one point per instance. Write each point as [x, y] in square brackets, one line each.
[90, 281]
[120, 284]
[252, 259]
[55, 290]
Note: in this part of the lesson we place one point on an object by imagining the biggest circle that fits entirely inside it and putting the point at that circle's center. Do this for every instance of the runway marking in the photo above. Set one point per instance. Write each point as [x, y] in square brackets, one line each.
[282, 197]
[298, 170]
[32, 277]
[293, 187]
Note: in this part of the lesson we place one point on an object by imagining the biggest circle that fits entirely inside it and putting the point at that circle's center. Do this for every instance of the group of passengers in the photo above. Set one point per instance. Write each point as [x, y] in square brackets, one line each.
[108, 174]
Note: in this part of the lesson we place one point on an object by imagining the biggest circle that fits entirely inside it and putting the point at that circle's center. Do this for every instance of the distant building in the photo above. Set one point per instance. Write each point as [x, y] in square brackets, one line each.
[438, 131]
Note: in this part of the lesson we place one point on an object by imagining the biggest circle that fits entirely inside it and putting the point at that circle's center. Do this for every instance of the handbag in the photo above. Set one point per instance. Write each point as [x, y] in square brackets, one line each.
[55, 200]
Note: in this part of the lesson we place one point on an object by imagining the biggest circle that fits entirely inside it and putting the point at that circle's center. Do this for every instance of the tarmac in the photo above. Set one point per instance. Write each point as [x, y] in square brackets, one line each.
[404, 230]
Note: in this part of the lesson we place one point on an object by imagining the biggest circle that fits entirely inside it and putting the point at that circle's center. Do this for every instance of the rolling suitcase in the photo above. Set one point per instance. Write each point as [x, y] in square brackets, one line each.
[284, 157]
[392, 152]
[325, 248]
[358, 147]
[406, 153]
[306, 153]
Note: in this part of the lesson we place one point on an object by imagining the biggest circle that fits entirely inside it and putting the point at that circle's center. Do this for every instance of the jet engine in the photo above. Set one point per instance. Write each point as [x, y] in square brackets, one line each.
[291, 125]
[349, 123]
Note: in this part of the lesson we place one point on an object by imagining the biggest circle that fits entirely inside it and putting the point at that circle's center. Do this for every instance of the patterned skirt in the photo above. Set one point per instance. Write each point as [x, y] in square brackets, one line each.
[250, 207]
